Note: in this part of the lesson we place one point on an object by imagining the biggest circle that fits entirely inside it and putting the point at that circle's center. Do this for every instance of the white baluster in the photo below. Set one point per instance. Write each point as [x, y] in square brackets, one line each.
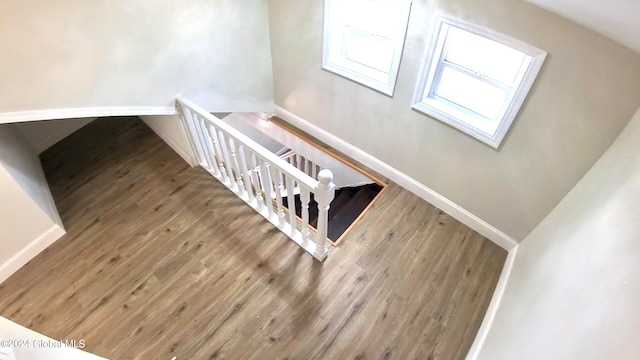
[191, 132]
[209, 150]
[305, 199]
[291, 201]
[225, 153]
[205, 139]
[299, 165]
[265, 179]
[234, 158]
[276, 175]
[202, 159]
[245, 172]
[324, 194]
[257, 185]
[218, 152]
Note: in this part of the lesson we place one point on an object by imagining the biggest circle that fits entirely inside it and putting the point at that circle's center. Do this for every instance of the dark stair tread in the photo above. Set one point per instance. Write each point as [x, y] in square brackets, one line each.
[345, 208]
[349, 213]
[342, 197]
[285, 203]
[313, 208]
[313, 212]
[375, 188]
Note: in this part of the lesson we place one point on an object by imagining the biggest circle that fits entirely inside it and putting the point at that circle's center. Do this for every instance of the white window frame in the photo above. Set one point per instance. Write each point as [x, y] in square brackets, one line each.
[459, 117]
[351, 72]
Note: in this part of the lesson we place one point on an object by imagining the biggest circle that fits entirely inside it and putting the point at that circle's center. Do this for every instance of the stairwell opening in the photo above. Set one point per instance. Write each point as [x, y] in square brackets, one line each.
[357, 188]
[347, 208]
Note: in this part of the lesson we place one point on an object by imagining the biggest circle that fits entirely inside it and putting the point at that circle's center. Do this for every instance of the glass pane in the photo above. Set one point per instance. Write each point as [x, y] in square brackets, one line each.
[376, 17]
[471, 93]
[488, 57]
[372, 51]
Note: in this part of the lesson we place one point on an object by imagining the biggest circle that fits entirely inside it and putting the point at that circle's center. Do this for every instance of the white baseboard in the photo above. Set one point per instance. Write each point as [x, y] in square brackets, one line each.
[30, 251]
[73, 113]
[485, 229]
[187, 154]
[494, 305]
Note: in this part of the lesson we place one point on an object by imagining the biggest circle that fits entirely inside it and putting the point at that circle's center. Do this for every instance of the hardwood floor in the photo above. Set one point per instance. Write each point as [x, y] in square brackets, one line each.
[161, 260]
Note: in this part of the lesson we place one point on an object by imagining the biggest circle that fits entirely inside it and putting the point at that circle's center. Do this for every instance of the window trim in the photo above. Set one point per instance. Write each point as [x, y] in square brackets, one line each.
[436, 108]
[387, 88]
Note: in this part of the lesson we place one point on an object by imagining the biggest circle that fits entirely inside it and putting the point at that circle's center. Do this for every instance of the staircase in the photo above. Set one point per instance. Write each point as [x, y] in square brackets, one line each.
[291, 191]
[259, 177]
[305, 165]
[346, 208]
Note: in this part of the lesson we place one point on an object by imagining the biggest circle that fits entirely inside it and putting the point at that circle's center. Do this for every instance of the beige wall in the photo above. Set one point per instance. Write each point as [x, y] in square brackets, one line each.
[587, 91]
[29, 220]
[574, 290]
[274, 138]
[21, 219]
[101, 53]
[171, 130]
[22, 163]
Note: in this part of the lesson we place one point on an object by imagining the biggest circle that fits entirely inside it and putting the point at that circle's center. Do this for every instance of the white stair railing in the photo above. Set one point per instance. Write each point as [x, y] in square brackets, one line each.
[303, 164]
[253, 173]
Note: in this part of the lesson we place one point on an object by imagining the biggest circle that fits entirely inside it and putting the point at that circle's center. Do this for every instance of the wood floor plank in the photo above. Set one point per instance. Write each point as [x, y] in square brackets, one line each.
[161, 260]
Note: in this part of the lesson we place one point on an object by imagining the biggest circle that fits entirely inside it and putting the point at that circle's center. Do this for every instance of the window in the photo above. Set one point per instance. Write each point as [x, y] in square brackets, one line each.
[475, 79]
[363, 40]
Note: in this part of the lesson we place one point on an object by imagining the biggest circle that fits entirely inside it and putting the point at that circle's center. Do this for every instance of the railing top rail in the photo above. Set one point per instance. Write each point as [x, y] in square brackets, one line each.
[302, 178]
[288, 154]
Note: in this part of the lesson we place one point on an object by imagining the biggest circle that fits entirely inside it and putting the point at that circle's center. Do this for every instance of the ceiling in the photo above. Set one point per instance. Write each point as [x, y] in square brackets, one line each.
[615, 19]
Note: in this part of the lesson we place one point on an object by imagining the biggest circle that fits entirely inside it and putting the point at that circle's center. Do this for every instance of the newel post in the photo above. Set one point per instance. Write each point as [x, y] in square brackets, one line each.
[324, 195]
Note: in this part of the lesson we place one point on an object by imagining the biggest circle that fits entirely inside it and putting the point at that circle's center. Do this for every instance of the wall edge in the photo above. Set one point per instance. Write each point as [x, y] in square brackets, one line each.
[30, 251]
[84, 112]
[431, 196]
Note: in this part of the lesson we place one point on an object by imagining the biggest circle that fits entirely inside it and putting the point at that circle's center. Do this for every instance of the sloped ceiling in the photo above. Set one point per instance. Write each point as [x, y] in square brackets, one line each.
[616, 19]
